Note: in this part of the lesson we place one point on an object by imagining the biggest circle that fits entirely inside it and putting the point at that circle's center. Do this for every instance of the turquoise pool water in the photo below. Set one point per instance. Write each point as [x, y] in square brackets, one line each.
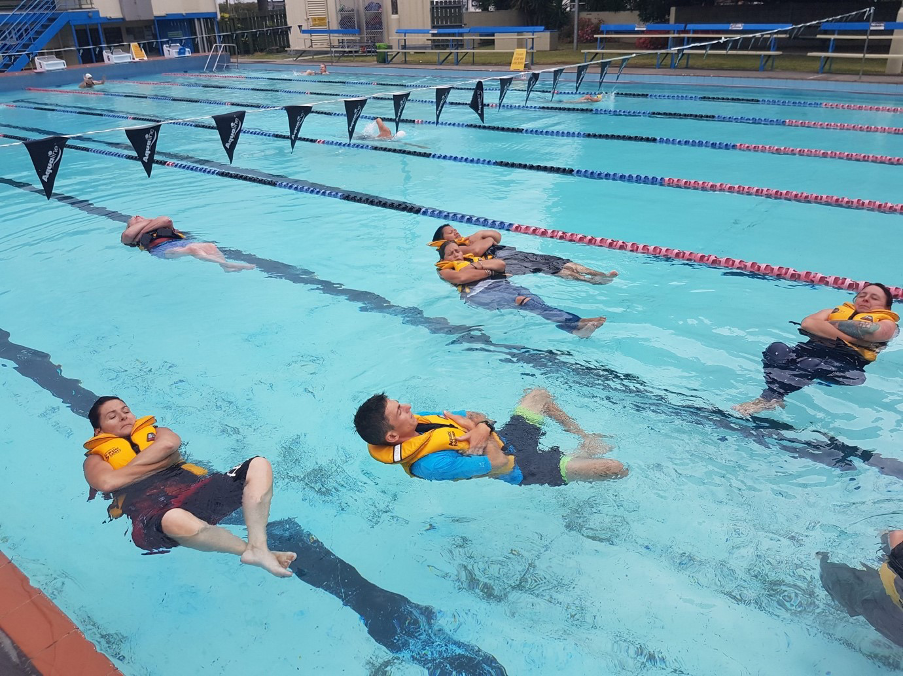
[700, 562]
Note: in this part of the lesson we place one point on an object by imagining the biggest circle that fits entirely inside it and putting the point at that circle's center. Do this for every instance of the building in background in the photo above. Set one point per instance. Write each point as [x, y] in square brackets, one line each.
[78, 31]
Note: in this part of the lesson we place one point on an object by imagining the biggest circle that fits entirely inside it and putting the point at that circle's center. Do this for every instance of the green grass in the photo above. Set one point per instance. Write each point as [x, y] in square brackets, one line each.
[567, 56]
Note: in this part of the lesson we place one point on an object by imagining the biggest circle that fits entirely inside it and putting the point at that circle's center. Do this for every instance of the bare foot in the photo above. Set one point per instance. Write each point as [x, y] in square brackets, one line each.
[236, 267]
[587, 326]
[264, 558]
[285, 558]
[758, 405]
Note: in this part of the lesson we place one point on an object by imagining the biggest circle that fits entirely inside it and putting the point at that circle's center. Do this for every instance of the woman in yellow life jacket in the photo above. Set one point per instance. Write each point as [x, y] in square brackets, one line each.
[159, 237]
[171, 503]
[486, 244]
[482, 283]
[842, 341]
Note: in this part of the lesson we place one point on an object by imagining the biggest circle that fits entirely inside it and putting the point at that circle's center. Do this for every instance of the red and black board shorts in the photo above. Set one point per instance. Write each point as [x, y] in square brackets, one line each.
[210, 497]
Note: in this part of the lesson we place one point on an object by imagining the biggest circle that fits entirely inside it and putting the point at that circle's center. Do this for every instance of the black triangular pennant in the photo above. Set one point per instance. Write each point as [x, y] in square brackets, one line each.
[398, 105]
[579, 78]
[46, 155]
[229, 125]
[442, 93]
[297, 115]
[531, 83]
[604, 67]
[144, 141]
[620, 69]
[353, 108]
[477, 100]
[504, 84]
[556, 74]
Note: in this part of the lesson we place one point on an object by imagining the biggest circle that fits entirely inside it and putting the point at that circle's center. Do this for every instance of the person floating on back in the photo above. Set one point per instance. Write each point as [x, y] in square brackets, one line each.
[467, 446]
[486, 244]
[842, 341]
[483, 283]
[170, 502]
[88, 81]
[160, 238]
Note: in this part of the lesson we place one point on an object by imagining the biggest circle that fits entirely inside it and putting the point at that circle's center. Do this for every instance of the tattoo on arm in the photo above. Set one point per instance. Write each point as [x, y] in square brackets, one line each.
[861, 330]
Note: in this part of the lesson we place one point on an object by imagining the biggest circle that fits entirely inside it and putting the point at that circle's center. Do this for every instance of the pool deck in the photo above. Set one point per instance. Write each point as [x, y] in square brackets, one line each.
[44, 640]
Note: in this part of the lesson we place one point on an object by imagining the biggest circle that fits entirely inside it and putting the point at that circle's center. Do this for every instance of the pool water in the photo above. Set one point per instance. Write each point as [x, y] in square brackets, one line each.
[701, 561]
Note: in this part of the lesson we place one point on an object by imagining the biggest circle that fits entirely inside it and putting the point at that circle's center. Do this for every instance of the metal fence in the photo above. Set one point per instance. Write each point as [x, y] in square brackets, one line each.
[253, 34]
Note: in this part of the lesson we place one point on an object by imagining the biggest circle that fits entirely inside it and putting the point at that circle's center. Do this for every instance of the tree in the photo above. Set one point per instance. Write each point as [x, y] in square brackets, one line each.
[550, 13]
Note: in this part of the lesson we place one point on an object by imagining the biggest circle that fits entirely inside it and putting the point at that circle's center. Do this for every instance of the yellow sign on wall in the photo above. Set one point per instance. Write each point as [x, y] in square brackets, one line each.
[518, 59]
[318, 22]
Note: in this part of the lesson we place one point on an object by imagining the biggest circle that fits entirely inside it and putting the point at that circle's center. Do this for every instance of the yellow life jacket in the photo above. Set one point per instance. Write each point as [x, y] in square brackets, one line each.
[409, 452]
[458, 265]
[847, 312]
[888, 578]
[118, 451]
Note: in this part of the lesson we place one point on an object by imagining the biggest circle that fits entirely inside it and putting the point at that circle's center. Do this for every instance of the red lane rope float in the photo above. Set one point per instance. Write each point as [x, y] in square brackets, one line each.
[766, 270]
[685, 184]
[856, 106]
[298, 185]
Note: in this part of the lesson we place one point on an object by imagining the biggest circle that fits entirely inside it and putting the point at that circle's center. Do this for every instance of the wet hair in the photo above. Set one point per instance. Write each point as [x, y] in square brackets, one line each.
[885, 290]
[442, 250]
[439, 232]
[94, 411]
[370, 420]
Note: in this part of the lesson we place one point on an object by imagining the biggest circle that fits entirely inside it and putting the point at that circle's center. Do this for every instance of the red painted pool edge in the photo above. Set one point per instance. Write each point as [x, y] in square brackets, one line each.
[48, 639]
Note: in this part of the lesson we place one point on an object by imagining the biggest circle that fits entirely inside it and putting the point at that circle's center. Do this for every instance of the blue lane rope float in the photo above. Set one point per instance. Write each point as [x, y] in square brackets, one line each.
[643, 179]
[702, 117]
[298, 185]
[635, 95]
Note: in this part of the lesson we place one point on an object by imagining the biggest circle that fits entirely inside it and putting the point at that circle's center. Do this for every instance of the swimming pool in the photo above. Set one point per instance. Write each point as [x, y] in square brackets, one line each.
[700, 562]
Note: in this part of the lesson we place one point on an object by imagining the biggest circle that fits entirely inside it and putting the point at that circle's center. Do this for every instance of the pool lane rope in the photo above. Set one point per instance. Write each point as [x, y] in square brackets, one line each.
[643, 179]
[297, 185]
[700, 117]
[634, 95]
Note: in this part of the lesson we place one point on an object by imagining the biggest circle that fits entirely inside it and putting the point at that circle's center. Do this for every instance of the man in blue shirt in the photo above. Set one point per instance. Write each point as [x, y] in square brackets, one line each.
[465, 445]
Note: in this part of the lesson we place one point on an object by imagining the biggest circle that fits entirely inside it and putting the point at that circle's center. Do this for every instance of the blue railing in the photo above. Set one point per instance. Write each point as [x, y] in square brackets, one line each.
[20, 29]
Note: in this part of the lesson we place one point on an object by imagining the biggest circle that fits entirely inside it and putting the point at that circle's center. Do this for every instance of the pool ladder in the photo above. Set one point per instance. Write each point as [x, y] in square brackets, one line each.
[217, 51]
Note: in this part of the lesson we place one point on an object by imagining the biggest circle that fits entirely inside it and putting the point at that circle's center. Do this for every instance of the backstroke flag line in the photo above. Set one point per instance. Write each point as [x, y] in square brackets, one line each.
[504, 84]
[46, 155]
[353, 108]
[144, 141]
[442, 93]
[579, 78]
[398, 104]
[477, 100]
[230, 127]
[556, 74]
[531, 83]
[297, 115]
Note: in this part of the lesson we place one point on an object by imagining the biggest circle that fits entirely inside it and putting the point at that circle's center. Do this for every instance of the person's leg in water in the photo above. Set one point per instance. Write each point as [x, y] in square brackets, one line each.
[785, 371]
[190, 531]
[403, 627]
[789, 369]
[582, 273]
[580, 466]
[504, 295]
[207, 251]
